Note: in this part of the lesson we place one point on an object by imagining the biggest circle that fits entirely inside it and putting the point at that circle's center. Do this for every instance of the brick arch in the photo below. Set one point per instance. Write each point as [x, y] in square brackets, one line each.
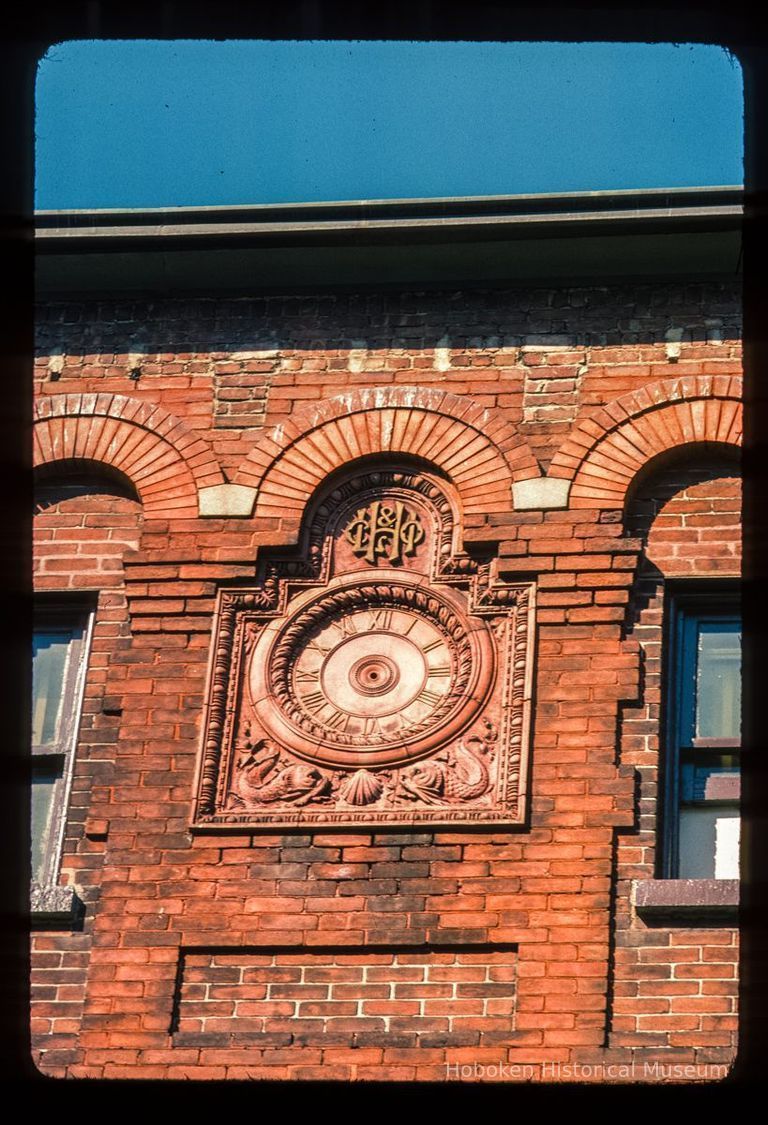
[477, 448]
[604, 453]
[165, 461]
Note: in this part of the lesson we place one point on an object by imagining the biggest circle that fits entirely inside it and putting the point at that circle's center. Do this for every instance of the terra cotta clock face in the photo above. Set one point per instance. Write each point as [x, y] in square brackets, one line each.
[370, 673]
[374, 674]
[379, 675]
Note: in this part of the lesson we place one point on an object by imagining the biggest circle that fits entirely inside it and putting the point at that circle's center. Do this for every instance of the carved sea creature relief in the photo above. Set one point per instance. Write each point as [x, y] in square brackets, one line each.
[458, 774]
[262, 776]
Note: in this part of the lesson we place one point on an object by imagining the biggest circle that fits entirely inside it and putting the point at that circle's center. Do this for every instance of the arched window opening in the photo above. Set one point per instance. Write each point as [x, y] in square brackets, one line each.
[686, 511]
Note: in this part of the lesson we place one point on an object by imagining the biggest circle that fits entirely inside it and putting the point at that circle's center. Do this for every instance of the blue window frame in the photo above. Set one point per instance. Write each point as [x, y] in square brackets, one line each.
[703, 734]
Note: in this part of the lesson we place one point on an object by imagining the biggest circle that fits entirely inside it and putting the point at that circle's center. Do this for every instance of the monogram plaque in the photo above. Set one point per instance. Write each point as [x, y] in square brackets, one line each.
[381, 676]
[384, 530]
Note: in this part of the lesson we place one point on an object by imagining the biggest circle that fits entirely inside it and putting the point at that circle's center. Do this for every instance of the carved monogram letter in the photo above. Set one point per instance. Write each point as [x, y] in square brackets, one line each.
[388, 530]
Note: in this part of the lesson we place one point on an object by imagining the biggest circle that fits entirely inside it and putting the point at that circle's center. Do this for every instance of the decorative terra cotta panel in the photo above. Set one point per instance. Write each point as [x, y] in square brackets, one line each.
[379, 676]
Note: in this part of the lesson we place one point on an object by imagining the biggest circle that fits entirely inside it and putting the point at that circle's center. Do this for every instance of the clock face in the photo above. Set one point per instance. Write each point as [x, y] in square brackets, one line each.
[374, 673]
[369, 674]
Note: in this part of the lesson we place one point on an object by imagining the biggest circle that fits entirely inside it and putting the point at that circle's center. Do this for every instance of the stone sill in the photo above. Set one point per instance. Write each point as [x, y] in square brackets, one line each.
[686, 899]
[51, 903]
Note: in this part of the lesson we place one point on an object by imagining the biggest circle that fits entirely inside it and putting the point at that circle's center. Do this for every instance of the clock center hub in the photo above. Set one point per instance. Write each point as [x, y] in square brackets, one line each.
[373, 674]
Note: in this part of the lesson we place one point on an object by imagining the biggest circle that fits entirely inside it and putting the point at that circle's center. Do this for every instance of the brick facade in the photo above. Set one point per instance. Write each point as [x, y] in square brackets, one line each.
[369, 953]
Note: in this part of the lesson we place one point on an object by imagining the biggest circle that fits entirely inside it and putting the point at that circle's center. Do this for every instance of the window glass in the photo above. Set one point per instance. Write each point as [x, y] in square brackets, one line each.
[58, 670]
[718, 680]
[50, 654]
[44, 783]
[703, 777]
[709, 842]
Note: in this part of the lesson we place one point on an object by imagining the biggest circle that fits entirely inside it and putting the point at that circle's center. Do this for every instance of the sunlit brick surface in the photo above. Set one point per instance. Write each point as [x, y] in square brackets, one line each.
[436, 998]
[366, 953]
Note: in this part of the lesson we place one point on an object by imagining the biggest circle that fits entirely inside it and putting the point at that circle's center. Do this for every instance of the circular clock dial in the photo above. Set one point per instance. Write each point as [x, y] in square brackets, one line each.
[373, 673]
[370, 674]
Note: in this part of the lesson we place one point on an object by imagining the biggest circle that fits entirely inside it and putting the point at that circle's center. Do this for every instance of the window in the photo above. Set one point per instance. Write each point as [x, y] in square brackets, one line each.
[60, 644]
[703, 735]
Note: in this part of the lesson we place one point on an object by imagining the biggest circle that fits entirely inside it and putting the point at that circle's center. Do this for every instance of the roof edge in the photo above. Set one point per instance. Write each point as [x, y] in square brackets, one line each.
[642, 200]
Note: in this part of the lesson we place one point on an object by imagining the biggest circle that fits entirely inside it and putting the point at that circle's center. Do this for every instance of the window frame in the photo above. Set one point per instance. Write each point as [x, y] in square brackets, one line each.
[688, 602]
[57, 611]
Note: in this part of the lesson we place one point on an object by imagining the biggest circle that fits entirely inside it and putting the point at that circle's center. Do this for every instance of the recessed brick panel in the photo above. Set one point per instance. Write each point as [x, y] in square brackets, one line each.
[446, 997]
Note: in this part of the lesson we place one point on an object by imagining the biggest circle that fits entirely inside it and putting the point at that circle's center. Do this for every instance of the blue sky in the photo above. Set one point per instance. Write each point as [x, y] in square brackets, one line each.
[180, 123]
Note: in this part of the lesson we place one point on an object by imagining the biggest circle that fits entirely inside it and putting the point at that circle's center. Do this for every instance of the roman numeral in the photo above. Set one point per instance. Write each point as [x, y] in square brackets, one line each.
[371, 726]
[307, 677]
[382, 619]
[432, 646]
[317, 648]
[338, 721]
[347, 626]
[427, 696]
[313, 701]
[441, 670]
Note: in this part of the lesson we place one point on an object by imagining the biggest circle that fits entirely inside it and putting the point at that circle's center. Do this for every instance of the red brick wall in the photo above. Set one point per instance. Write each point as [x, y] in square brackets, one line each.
[229, 367]
[587, 971]
[675, 987]
[337, 1008]
[81, 530]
